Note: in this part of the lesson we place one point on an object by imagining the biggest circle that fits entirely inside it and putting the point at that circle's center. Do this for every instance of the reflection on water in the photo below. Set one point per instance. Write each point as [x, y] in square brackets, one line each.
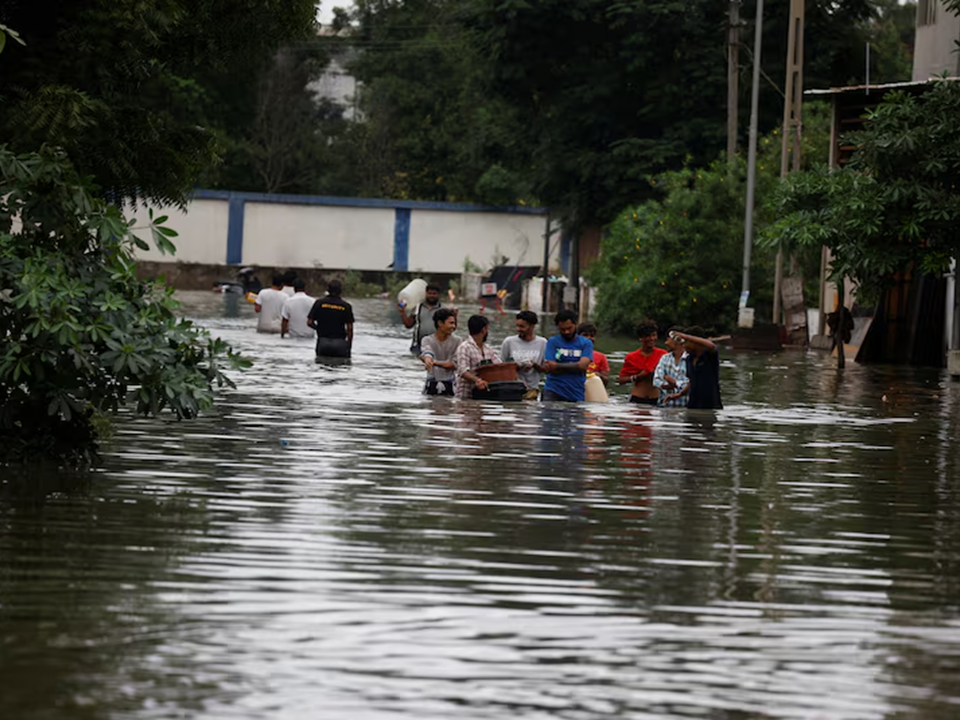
[329, 543]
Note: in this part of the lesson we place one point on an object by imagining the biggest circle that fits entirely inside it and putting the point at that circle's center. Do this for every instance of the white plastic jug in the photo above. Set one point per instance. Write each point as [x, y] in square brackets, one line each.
[414, 293]
[593, 389]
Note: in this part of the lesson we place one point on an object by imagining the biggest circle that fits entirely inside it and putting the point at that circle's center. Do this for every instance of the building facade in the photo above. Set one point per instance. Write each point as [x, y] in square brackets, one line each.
[935, 48]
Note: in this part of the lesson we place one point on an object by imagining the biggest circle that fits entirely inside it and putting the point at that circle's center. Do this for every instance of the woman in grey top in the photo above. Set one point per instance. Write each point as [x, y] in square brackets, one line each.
[526, 350]
[437, 352]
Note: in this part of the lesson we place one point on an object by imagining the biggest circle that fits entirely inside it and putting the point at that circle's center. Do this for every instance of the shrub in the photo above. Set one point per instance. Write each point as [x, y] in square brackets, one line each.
[83, 336]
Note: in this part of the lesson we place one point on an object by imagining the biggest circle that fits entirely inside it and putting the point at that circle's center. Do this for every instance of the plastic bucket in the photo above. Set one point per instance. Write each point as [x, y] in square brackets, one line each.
[498, 372]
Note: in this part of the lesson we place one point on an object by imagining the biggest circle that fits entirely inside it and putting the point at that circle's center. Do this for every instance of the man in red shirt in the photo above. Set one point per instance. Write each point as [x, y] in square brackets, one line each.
[638, 366]
[600, 364]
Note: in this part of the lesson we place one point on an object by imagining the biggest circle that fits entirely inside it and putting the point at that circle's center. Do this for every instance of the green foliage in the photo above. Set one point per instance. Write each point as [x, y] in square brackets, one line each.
[140, 94]
[469, 266]
[286, 148]
[891, 35]
[82, 335]
[895, 204]
[432, 130]
[678, 259]
[355, 286]
[679, 256]
[568, 103]
[609, 93]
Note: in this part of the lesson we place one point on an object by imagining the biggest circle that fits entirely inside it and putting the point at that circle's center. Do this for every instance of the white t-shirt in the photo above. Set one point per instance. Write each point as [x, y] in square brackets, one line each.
[295, 310]
[271, 304]
[523, 352]
[288, 290]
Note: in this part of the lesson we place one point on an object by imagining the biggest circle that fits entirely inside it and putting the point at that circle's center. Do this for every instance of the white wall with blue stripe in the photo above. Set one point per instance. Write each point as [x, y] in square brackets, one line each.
[299, 231]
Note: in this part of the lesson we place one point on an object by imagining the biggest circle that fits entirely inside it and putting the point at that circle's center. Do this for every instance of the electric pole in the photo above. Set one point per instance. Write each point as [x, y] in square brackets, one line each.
[792, 103]
[733, 77]
[752, 157]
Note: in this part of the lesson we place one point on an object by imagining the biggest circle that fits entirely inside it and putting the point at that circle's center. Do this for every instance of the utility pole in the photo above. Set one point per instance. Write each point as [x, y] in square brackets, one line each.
[733, 77]
[545, 283]
[792, 103]
[752, 155]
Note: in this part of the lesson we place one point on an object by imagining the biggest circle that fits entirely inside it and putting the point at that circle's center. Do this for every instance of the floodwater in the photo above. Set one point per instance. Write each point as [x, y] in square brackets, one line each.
[330, 544]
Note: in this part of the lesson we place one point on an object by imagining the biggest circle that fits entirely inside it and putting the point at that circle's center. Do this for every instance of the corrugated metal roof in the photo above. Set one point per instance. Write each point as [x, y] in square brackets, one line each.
[866, 89]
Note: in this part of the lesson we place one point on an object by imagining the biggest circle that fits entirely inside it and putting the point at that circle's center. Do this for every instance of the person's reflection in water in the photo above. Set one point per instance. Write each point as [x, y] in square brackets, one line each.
[705, 420]
[332, 362]
[562, 454]
[477, 431]
[636, 459]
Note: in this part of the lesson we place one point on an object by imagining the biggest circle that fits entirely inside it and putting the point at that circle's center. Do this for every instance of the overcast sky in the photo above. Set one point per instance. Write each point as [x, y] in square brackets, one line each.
[325, 10]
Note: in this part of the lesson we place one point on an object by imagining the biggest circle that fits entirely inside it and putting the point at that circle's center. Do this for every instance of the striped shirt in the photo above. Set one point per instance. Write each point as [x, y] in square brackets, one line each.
[468, 358]
[677, 369]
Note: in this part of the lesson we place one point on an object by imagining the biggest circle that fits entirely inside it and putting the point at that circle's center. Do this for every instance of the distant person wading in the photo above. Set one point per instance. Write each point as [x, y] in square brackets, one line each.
[421, 319]
[269, 305]
[332, 318]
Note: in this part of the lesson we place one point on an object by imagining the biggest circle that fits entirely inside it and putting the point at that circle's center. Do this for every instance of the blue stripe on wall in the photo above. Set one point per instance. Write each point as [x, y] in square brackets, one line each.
[364, 202]
[235, 230]
[401, 239]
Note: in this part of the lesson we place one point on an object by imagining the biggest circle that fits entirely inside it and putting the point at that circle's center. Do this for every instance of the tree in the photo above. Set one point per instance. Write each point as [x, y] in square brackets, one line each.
[569, 103]
[679, 256]
[678, 259]
[286, 145]
[609, 92]
[82, 334]
[137, 94]
[432, 130]
[895, 205]
[891, 36]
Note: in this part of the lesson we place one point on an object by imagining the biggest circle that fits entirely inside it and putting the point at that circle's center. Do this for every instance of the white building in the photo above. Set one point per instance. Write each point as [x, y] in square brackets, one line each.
[935, 47]
[338, 85]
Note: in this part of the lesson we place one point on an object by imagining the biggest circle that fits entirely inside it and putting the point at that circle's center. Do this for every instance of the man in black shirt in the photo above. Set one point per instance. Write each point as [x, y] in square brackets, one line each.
[332, 318]
[703, 369]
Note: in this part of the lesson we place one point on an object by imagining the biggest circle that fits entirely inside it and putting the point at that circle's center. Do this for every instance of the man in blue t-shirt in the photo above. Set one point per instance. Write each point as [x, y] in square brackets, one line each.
[566, 359]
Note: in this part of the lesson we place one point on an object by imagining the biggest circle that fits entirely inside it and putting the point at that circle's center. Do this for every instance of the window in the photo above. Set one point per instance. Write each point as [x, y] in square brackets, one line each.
[926, 12]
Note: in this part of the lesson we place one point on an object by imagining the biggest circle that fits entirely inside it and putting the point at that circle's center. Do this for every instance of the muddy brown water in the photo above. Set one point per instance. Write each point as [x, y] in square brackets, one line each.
[330, 544]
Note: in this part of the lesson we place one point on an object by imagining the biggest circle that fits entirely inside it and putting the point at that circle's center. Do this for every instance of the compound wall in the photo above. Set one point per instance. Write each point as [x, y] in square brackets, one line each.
[305, 231]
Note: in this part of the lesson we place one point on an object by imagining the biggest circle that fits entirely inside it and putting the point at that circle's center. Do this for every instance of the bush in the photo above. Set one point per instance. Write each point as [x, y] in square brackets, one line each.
[354, 285]
[679, 259]
[83, 336]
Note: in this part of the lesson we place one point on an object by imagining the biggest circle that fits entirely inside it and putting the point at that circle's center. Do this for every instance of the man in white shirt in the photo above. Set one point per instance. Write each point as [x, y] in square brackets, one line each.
[526, 350]
[294, 313]
[288, 277]
[269, 305]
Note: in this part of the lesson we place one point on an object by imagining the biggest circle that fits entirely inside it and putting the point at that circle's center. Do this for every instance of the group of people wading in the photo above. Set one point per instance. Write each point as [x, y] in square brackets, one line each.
[686, 374]
[285, 308]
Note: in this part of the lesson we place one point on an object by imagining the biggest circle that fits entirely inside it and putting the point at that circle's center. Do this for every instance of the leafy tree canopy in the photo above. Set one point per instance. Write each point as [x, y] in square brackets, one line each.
[678, 257]
[136, 93]
[569, 103]
[895, 204]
